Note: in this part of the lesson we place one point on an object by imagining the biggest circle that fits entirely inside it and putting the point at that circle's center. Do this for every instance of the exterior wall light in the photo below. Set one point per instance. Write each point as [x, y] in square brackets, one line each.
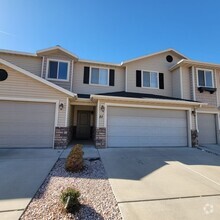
[61, 106]
[102, 108]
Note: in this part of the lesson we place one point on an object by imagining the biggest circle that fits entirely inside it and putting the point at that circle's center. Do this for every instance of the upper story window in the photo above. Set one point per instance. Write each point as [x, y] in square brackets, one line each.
[99, 76]
[205, 78]
[150, 79]
[58, 70]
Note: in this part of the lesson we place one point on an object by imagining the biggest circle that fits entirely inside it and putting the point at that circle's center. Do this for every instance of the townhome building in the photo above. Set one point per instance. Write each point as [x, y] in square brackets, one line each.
[51, 97]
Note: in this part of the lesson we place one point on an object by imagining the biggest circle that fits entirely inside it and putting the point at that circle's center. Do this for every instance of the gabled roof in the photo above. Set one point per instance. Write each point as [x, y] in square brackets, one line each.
[194, 62]
[39, 52]
[154, 54]
[31, 75]
[141, 96]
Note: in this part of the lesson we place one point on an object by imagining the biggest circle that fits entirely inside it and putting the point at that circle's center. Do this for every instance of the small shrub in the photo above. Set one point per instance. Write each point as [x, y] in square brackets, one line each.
[70, 200]
[74, 161]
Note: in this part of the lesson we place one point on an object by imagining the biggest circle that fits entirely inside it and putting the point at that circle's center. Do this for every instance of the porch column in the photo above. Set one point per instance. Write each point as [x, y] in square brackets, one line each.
[100, 130]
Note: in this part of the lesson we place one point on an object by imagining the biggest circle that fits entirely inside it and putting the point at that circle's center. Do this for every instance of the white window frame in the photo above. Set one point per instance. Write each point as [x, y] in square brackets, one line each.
[90, 76]
[68, 70]
[197, 71]
[142, 79]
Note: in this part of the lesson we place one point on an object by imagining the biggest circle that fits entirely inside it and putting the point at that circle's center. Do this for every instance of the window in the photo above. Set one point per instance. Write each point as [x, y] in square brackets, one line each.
[205, 78]
[150, 79]
[58, 70]
[99, 76]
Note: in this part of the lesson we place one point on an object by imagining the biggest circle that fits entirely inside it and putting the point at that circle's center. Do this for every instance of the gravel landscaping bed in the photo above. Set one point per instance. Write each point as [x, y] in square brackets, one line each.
[97, 199]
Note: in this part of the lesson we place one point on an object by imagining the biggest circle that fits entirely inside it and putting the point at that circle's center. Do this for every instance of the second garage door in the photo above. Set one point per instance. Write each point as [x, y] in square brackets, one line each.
[135, 127]
[26, 124]
[207, 128]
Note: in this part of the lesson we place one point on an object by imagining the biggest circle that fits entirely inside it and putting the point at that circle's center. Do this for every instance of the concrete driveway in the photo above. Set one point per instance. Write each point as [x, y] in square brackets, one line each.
[164, 183]
[211, 148]
[22, 171]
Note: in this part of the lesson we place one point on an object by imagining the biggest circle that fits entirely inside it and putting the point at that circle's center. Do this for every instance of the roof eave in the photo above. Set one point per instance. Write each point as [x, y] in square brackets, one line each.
[99, 63]
[18, 53]
[146, 100]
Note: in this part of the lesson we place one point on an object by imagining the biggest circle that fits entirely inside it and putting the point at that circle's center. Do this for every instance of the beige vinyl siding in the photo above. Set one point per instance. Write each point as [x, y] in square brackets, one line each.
[193, 122]
[205, 97]
[102, 114]
[186, 83]
[192, 78]
[95, 116]
[80, 88]
[70, 113]
[218, 86]
[155, 63]
[29, 63]
[58, 56]
[176, 88]
[20, 86]
[208, 109]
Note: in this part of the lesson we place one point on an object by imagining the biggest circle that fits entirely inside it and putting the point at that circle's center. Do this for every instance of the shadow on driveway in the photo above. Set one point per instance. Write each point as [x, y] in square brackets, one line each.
[22, 172]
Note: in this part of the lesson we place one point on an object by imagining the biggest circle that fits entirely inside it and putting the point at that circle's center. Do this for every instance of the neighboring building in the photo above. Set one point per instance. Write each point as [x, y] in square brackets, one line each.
[163, 99]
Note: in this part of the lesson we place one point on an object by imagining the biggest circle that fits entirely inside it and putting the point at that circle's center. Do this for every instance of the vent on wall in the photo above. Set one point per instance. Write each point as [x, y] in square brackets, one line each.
[169, 58]
[3, 75]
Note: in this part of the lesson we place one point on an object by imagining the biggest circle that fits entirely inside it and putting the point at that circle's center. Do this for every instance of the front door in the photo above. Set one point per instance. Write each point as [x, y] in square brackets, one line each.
[83, 125]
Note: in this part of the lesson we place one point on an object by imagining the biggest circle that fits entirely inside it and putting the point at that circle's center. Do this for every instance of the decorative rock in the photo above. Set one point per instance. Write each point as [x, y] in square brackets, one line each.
[97, 199]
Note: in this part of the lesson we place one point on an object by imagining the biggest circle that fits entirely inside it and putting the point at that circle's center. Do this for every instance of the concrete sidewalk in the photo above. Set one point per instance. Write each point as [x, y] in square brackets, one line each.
[164, 183]
[22, 172]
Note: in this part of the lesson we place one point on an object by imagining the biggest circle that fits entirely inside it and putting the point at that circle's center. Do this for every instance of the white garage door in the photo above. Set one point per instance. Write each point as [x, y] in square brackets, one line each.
[26, 124]
[135, 127]
[207, 129]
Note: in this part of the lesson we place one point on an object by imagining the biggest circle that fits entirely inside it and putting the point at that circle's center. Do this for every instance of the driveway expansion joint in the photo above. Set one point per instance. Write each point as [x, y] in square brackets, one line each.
[207, 151]
[171, 198]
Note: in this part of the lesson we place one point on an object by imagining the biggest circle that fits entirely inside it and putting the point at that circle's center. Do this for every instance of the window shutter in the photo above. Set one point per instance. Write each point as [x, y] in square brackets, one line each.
[138, 78]
[161, 80]
[111, 77]
[86, 75]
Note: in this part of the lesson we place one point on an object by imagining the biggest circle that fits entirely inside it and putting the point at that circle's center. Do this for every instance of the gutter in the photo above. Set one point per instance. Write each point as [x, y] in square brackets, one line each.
[146, 100]
[193, 62]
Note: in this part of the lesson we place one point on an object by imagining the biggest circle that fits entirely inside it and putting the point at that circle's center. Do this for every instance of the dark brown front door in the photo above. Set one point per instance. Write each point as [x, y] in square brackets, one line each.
[83, 125]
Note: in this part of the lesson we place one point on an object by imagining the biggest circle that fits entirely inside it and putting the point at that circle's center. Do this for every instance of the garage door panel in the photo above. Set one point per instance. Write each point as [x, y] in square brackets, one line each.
[20, 116]
[19, 130]
[144, 141]
[133, 127]
[144, 131]
[116, 111]
[8, 141]
[146, 121]
[26, 124]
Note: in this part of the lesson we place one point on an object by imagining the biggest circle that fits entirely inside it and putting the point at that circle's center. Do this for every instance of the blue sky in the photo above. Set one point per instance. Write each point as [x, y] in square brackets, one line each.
[113, 30]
